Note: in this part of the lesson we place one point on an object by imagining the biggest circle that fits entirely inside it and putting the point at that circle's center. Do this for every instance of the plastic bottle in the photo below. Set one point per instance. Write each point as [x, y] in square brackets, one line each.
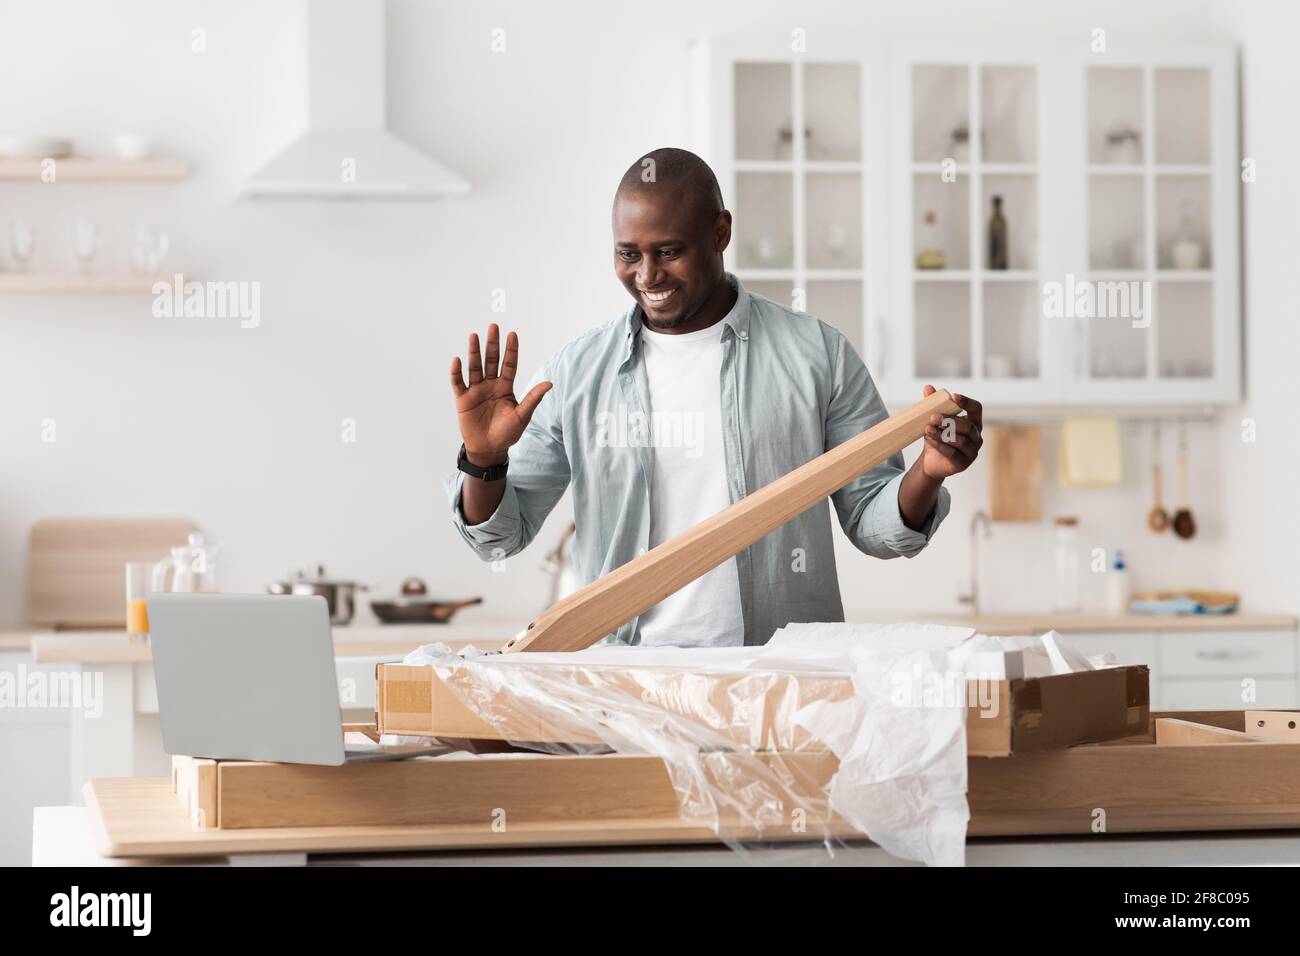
[1117, 588]
[1067, 564]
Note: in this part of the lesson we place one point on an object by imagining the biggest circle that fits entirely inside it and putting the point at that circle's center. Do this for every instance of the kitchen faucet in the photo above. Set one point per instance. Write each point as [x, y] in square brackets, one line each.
[973, 596]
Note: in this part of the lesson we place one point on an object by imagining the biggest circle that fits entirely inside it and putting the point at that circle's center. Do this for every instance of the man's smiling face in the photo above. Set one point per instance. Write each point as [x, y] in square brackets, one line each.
[668, 253]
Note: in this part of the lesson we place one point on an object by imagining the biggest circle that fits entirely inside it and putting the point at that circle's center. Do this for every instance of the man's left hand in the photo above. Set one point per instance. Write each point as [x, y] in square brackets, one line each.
[952, 442]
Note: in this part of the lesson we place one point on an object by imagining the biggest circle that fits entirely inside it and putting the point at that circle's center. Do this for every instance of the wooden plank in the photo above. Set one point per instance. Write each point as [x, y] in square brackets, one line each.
[1274, 724]
[134, 816]
[503, 788]
[1189, 780]
[590, 613]
[1172, 732]
[1119, 789]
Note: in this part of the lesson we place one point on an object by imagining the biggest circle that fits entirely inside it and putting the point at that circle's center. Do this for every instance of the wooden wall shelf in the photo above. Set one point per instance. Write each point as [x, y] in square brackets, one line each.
[77, 169]
[73, 283]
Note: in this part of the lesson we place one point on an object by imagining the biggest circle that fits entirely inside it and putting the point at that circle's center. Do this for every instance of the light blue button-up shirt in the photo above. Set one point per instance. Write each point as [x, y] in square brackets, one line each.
[792, 388]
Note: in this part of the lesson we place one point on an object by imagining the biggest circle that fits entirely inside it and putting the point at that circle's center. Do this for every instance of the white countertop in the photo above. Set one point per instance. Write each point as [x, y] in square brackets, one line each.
[395, 640]
[490, 633]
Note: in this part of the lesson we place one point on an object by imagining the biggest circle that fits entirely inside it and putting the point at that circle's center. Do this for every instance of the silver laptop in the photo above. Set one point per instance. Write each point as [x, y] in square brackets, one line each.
[250, 677]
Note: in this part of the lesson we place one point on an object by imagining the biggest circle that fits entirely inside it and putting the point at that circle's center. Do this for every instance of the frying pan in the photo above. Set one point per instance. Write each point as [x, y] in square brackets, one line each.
[414, 606]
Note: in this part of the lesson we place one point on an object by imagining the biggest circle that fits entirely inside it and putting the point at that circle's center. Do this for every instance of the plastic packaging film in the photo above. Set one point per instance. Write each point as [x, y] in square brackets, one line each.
[746, 734]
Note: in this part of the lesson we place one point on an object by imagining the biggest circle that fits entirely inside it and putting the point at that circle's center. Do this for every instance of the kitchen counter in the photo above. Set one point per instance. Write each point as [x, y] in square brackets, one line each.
[1037, 623]
[118, 647]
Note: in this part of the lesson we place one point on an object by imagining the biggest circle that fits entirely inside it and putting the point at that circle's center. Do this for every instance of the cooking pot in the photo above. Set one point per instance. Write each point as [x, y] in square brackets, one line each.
[340, 596]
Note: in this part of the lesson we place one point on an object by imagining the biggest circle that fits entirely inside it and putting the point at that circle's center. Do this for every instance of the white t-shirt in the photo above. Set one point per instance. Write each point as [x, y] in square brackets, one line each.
[689, 484]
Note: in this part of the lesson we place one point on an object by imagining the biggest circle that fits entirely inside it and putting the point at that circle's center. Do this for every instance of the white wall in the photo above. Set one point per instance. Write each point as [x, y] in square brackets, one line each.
[363, 305]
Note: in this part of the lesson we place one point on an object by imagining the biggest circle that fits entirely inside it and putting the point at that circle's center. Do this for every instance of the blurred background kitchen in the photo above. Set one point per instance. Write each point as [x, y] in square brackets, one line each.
[955, 161]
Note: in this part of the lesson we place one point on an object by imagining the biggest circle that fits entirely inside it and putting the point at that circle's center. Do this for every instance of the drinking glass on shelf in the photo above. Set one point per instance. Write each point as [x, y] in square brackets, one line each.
[23, 236]
[148, 246]
[139, 577]
[85, 243]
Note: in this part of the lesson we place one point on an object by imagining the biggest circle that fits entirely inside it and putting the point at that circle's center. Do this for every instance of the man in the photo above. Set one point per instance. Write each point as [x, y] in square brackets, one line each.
[700, 394]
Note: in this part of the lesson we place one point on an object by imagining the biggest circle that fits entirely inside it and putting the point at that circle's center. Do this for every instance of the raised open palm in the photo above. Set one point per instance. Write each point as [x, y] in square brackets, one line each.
[491, 420]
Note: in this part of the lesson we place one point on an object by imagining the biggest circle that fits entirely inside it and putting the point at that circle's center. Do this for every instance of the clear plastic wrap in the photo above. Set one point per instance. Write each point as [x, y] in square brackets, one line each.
[744, 733]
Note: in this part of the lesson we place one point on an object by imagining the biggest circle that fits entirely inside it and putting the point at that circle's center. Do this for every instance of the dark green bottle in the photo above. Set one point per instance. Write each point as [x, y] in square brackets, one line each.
[997, 237]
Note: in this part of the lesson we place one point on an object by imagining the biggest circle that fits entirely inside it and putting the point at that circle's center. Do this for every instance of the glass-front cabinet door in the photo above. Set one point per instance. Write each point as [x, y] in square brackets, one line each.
[789, 141]
[1158, 319]
[968, 255]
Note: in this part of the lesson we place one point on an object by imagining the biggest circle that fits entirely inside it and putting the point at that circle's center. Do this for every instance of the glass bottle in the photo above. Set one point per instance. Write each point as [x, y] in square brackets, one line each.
[931, 255]
[997, 237]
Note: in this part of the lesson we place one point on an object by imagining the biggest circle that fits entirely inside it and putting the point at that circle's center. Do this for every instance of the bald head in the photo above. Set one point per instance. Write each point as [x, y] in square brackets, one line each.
[677, 176]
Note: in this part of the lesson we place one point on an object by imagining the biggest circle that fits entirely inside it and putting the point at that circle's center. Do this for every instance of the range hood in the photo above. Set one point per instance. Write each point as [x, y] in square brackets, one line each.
[346, 152]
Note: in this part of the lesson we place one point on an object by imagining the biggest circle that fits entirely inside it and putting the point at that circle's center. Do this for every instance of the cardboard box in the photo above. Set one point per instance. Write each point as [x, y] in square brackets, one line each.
[1003, 717]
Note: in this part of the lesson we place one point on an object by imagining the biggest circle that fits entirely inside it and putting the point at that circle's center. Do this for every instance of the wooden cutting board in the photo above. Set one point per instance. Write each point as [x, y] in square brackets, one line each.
[1015, 473]
[588, 614]
[76, 575]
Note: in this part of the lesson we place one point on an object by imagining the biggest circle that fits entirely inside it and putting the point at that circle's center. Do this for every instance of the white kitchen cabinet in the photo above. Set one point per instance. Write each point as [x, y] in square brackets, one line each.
[971, 125]
[1230, 653]
[1118, 176]
[1159, 196]
[1266, 693]
[1205, 670]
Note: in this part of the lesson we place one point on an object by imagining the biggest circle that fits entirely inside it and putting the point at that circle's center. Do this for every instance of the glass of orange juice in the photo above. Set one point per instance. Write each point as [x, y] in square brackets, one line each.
[138, 579]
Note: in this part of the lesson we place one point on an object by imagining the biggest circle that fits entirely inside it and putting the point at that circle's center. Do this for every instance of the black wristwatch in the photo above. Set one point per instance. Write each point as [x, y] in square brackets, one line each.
[495, 473]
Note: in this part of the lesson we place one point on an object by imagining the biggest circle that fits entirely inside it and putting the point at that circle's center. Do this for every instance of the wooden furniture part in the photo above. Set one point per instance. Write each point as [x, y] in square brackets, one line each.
[1015, 473]
[590, 613]
[463, 789]
[1003, 717]
[511, 800]
[76, 574]
[1139, 785]
[1273, 725]
[1171, 731]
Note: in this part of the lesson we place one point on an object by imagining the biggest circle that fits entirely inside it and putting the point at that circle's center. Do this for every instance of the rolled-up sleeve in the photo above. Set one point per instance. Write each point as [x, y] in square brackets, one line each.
[536, 479]
[867, 507]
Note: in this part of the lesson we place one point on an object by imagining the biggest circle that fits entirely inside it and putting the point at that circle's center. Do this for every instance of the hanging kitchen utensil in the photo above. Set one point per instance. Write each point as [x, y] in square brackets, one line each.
[414, 606]
[1184, 524]
[1157, 517]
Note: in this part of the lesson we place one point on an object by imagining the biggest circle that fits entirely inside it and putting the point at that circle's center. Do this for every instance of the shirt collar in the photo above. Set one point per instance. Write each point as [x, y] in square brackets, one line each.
[737, 319]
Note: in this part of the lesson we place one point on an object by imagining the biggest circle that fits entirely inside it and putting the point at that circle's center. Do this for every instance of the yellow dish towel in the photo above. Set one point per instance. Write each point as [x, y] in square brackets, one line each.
[1090, 452]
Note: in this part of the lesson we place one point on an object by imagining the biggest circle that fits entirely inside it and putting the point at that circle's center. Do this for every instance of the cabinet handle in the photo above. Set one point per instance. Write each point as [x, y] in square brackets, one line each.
[1224, 655]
